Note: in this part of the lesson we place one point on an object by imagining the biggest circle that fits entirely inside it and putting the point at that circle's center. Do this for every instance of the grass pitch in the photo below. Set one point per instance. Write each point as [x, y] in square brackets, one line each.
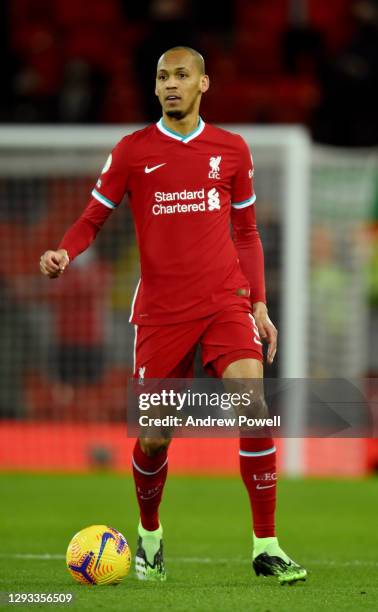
[329, 526]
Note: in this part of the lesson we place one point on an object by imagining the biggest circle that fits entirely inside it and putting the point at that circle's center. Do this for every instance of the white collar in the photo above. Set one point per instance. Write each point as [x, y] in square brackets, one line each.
[168, 132]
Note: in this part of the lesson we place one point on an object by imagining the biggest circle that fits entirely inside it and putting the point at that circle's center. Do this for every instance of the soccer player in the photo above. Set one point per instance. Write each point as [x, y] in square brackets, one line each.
[186, 181]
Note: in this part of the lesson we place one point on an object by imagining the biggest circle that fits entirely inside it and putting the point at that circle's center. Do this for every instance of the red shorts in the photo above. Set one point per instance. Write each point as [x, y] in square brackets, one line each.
[167, 351]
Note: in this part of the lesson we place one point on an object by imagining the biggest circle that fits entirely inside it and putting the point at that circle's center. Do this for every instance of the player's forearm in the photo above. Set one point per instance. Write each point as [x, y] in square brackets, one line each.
[78, 238]
[251, 258]
[250, 251]
[82, 233]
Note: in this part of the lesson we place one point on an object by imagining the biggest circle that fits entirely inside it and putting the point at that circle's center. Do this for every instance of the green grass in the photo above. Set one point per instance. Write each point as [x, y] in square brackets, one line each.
[330, 526]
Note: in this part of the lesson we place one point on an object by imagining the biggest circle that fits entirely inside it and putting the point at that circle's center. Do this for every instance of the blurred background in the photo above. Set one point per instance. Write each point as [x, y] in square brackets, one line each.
[299, 80]
[272, 61]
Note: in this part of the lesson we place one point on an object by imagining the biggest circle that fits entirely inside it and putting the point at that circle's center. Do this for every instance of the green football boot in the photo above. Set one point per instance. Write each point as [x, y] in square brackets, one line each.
[149, 561]
[270, 560]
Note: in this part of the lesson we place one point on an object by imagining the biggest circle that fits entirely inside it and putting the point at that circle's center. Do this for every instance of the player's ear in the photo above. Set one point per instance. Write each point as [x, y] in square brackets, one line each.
[204, 83]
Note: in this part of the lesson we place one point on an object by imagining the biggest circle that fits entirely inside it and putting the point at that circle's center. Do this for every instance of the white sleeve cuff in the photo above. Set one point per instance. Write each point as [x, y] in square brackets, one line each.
[244, 203]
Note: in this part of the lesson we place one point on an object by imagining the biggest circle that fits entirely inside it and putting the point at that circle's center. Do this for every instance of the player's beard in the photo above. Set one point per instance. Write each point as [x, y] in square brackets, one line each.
[180, 114]
[176, 114]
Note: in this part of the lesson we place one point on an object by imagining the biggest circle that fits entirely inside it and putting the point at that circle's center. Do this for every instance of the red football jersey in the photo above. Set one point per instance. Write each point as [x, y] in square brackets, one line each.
[181, 189]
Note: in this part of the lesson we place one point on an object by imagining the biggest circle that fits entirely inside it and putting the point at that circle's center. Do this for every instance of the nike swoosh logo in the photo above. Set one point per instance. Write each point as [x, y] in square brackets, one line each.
[259, 486]
[105, 537]
[148, 170]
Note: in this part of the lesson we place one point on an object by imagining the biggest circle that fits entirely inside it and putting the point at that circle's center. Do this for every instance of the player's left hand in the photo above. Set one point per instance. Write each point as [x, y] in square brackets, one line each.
[267, 330]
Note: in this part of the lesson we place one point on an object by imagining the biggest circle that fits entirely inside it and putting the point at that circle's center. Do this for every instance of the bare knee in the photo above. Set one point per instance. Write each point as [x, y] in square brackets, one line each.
[153, 446]
[244, 368]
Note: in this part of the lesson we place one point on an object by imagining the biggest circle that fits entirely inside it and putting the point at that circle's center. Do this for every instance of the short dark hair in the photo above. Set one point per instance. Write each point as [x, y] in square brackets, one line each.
[197, 56]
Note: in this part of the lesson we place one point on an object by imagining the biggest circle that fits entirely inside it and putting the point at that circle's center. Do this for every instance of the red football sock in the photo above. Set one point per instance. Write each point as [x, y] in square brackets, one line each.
[258, 471]
[150, 474]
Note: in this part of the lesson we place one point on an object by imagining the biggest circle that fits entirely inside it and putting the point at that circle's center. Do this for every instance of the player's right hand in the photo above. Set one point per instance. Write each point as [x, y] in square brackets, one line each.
[53, 263]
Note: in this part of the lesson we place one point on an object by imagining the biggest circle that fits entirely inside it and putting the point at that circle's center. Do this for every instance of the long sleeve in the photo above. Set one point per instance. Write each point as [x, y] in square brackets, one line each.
[250, 251]
[107, 195]
[82, 233]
